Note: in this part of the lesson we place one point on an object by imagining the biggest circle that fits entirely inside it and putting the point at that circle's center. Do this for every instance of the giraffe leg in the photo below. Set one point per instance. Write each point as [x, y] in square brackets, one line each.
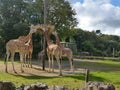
[21, 60]
[71, 64]
[30, 55]
[12, 58]
[49, 61]
[24, 62]
[25, 59]
[6, 60]
[70, 61]
[59, 64]
[52, 64]
[28, 60]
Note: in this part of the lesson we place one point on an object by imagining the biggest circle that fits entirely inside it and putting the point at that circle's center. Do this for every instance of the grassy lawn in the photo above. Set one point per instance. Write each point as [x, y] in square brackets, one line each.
[112, 77]
[72, 81]
[112, 65]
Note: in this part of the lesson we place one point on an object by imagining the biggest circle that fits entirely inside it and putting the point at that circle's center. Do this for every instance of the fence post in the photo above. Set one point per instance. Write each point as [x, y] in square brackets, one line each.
[87, 75]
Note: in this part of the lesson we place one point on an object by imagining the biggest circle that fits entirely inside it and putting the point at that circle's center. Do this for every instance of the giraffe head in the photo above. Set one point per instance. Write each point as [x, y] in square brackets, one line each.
[49, 28]
[54, 33]
[42, 28]
[33, 29]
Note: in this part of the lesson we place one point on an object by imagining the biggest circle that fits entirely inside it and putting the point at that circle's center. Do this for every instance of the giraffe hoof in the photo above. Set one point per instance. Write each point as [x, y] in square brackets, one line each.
[49, 71]
[60, 74]
[6, 71]
[15, 72]
[22, 71]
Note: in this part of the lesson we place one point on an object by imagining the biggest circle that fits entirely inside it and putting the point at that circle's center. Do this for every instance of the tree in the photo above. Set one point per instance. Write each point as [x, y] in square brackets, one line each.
[61, 14]
[12, 12]
[17, 15]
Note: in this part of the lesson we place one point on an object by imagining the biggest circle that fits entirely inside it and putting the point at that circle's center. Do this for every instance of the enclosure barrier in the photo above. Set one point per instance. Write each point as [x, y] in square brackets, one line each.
[5, 85]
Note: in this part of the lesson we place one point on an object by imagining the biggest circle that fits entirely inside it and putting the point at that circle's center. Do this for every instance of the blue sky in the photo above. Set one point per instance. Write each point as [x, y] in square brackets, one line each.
[98, 14]
[114, 2]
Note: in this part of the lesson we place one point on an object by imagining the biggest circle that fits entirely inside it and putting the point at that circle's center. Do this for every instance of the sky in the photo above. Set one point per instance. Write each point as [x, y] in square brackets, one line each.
[101, 15]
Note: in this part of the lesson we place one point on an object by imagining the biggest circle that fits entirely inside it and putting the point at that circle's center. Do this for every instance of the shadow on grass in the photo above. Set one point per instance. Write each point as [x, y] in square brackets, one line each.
[96, 78]
[76, 76]
[35, 77]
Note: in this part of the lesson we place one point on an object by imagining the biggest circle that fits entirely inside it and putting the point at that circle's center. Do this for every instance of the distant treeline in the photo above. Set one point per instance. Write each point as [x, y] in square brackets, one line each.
[97, 44]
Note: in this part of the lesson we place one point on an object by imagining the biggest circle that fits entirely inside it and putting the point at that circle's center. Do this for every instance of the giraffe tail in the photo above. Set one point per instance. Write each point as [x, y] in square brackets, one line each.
[5, 58]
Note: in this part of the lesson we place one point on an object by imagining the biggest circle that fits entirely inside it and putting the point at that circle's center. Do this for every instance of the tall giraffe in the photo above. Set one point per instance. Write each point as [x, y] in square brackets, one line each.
[65, 51]
[20, 46]
[52, 49]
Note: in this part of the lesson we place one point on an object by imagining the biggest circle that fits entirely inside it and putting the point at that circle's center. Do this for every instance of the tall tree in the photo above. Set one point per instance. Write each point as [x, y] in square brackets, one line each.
[61, 14]
[12, 12]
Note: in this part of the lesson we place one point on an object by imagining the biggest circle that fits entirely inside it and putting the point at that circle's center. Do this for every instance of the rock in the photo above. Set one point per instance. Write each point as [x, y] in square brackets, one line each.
[106, 87]
[37, 86]
[58, 88]
[5, 85]
[97, 86]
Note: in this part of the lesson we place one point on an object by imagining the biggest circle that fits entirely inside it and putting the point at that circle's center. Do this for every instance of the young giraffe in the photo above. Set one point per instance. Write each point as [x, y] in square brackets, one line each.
[65, 51]
[41, 55]
[20, 46]
[29, 51]
[52, 49]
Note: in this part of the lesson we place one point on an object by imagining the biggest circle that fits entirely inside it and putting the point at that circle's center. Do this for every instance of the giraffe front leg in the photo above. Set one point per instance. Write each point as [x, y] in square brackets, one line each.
[59, 64]
[49, 62]
[6, 61]
[6, 67]
[12, 58]
[52, 64]
[24, 62]
[21, 60]
[71, 64]
[30, 60]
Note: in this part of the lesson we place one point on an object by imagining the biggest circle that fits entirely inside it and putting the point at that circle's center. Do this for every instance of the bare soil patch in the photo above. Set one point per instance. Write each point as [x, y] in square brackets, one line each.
[36, 69]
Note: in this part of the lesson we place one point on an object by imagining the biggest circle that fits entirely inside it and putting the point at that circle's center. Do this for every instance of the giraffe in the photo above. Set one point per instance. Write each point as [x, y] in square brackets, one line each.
[65, 51]
[41, 54]
[52, 49]
[29, 51]
[20, 46]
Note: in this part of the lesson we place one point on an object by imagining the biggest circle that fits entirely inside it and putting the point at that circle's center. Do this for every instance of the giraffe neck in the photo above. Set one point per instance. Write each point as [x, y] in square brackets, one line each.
[47, 37]
[26, 38]
[58, 40]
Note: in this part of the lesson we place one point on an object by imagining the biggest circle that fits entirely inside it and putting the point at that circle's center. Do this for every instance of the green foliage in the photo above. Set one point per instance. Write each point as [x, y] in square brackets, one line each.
[17, 15]
[61, 15]
[97, 44]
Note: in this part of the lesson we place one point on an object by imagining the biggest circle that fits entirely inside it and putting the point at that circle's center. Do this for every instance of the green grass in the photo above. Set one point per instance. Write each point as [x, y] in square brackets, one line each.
[72, 81]
[112, 77]
[101, 64]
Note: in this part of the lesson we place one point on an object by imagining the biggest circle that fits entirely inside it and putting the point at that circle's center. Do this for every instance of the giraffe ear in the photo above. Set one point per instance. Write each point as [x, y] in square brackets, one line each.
[32, 28]
[31, 25]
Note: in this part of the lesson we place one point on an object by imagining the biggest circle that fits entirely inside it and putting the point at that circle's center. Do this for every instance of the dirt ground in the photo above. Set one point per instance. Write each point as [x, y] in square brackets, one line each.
[37, 69]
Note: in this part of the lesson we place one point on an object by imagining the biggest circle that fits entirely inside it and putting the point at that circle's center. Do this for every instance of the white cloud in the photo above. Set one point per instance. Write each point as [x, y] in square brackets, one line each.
[98, 14]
